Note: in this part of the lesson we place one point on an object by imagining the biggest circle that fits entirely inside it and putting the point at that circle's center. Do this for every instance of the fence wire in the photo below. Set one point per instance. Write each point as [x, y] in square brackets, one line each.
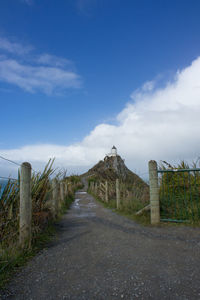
[16, 163]
[180, 194]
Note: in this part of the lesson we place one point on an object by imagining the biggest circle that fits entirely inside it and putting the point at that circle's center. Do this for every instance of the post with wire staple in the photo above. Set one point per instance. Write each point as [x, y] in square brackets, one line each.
[25, 231]
[154, 192]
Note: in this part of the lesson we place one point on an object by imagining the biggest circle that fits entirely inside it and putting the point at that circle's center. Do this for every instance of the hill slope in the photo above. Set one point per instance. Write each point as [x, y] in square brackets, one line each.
[114, 167]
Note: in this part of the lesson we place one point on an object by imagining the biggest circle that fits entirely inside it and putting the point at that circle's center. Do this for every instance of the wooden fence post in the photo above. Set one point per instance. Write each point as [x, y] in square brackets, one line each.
[62, 192]
[25, 210]
[54, 198]
[154, 192]
[117, 193]
[66, 189]
[106, 191]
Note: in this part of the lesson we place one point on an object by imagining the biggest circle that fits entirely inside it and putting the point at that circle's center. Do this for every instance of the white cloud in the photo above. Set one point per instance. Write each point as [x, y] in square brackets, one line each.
[48, 80]
[52, 60]
[45, 73]
[158, 123]
[14, 47]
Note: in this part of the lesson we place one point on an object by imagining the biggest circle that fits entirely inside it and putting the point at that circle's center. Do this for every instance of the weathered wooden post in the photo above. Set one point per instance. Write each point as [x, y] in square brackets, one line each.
[117, 193]
[154, 192]
[106, 191]
[62, 192]
[66, 189]
[54, 198]
[25, 210]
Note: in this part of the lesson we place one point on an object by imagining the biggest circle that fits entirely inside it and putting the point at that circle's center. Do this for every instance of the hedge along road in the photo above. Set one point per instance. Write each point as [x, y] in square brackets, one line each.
[98, 254]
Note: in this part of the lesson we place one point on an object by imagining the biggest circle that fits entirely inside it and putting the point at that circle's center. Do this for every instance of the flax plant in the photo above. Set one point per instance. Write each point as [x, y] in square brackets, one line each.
[180, 191]
[9, 203]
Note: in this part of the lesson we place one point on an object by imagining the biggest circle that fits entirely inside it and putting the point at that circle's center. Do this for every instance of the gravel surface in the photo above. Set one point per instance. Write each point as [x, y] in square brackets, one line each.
[98, 254]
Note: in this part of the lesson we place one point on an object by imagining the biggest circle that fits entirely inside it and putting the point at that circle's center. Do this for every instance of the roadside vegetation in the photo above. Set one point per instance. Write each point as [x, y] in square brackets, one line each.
[180, 192]
[130, 198]
[11, 256]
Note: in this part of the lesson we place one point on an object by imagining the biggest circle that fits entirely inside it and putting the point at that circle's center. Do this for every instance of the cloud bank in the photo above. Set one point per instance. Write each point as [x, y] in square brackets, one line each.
[157, 123]
[32, 72]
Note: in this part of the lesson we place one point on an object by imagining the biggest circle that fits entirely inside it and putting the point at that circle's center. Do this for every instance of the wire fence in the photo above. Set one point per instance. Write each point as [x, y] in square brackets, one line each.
[128, 197]
[180, 194]
[47, 197]
[15, 163]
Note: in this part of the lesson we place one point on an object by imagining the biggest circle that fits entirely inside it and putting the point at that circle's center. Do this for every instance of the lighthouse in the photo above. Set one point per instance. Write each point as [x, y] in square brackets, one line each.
[113, 151]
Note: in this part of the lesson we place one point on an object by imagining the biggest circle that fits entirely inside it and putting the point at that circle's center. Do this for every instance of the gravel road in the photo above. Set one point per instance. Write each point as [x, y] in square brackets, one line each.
[98, 254]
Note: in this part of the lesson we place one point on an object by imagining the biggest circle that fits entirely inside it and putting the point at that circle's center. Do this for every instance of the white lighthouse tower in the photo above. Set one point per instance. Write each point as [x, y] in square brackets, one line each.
[113, 151]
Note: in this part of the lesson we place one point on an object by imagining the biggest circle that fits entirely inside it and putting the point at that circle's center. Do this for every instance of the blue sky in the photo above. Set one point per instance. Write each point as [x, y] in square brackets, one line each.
[69, 70]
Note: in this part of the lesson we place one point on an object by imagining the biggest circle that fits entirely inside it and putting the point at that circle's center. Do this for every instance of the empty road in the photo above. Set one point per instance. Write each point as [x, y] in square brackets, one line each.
[98, 254]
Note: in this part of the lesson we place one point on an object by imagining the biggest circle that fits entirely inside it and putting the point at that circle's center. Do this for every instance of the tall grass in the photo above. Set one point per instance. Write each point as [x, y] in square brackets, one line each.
[41, 193]
[180, 192]
[9, 204]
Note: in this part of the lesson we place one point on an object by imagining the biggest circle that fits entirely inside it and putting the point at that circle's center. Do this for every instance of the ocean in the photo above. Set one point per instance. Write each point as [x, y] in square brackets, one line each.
[3, 183]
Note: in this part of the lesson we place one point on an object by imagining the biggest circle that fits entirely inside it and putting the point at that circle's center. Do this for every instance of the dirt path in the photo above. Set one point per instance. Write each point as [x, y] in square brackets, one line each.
[101, 255]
